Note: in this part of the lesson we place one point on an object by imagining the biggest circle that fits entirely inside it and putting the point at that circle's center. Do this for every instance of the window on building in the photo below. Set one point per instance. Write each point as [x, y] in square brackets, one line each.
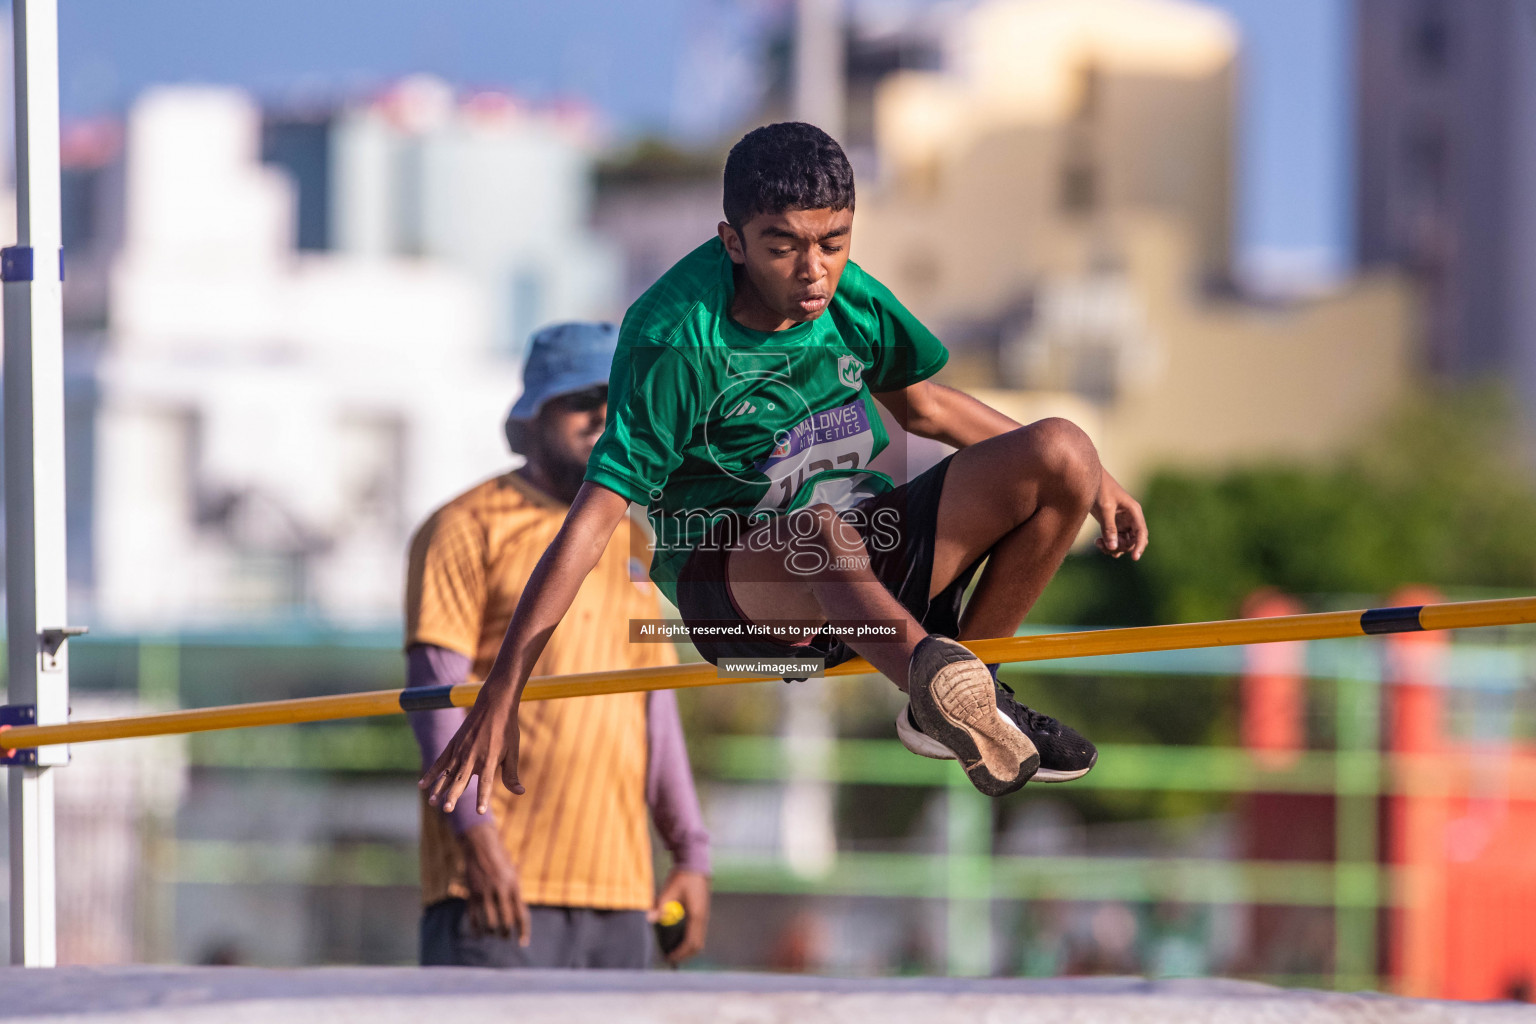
[302, 148]
[1424, 151]
[1079, 186]
[79, 206]
[1080, 183]
[1430, 39]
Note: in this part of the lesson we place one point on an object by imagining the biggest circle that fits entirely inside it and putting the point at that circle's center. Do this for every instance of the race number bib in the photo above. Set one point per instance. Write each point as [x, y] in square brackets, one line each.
[838, 440]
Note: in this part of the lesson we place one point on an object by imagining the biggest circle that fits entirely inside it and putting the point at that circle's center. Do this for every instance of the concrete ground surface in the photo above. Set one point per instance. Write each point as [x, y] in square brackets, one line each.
[362, 995]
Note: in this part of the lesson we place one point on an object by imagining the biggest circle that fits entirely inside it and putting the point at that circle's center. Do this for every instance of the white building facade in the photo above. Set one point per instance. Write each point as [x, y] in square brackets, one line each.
[267, 424]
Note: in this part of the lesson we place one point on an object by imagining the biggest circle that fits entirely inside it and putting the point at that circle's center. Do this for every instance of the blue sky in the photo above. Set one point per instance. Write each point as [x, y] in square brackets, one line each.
[619, 54]
[681, 65]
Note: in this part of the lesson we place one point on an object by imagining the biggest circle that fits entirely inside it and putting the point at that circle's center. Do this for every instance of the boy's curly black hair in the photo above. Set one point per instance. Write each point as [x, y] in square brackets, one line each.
[787, 166]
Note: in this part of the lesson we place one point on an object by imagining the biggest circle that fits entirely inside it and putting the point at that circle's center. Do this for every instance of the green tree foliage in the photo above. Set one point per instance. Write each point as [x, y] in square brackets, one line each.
[655, 161]
[1441, 493]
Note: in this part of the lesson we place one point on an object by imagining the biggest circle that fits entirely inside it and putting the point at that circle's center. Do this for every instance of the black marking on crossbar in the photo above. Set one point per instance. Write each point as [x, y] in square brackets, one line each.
[1391, 620]
[426, 698]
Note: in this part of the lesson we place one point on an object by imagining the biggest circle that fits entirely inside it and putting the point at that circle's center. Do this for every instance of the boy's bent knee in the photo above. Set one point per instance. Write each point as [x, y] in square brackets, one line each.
[1066, 455]
[1055, 434]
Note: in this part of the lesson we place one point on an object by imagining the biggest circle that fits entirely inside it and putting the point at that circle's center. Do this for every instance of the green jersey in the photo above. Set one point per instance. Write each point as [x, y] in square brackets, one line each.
[708, 419]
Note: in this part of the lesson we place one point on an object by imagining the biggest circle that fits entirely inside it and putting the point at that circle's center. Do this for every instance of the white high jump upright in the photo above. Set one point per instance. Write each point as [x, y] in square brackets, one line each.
[35, 578]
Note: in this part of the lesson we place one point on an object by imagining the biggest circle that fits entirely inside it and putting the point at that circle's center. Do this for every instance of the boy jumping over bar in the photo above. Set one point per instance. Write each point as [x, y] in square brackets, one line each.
[741, 414]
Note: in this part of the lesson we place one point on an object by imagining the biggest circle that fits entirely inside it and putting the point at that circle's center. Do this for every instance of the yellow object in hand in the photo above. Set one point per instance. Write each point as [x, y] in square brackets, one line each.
[671, 914]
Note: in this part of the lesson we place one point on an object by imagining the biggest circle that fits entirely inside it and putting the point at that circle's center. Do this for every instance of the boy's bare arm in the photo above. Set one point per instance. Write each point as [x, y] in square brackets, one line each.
[931, 410]
[488, 738]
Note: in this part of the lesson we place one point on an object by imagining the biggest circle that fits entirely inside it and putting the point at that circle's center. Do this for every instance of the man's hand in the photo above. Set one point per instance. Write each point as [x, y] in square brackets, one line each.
[495, 898]
[484, 746]
[691, 889]
[1124, 526]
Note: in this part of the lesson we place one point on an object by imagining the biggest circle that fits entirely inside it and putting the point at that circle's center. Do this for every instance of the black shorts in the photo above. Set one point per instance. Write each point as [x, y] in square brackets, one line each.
[906, 569]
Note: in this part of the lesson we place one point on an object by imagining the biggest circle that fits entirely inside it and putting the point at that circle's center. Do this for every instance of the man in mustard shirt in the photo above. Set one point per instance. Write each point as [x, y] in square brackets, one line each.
[564, 878]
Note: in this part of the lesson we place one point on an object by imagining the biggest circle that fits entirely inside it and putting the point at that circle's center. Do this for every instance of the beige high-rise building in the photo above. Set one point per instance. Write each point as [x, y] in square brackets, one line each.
[1057, 204]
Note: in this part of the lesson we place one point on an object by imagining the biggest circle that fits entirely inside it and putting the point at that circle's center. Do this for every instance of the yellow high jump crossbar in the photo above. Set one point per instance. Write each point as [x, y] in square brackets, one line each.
[1136, 640]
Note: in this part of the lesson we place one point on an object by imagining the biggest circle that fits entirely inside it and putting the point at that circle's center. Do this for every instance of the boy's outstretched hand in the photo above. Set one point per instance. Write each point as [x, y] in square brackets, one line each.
[484, 746]
[1124, 526]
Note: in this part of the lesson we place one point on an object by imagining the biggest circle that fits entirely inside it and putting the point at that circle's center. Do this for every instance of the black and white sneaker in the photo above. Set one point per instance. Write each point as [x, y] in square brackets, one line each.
[1065, 754]
[953, 702]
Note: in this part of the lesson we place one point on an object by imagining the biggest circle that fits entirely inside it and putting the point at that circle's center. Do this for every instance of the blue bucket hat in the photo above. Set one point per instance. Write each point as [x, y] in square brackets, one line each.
[562, 359]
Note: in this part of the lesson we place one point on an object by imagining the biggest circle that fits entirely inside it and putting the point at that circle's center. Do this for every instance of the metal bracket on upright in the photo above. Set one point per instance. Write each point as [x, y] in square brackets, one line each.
[52, 639]
[17, 714]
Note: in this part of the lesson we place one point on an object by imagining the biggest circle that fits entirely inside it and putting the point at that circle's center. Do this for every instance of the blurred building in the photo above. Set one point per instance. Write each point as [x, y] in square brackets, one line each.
[1057, 201]
[276, 368]
[1447, 173]
[497, 191]
[1090, 107]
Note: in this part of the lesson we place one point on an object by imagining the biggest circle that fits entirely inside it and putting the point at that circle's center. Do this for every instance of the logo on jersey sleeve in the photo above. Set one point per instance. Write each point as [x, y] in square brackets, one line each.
[850, 372]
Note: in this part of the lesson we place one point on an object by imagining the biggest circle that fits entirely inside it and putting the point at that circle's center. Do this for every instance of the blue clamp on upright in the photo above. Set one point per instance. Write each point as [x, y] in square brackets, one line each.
[17, 714]
[16, 263]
